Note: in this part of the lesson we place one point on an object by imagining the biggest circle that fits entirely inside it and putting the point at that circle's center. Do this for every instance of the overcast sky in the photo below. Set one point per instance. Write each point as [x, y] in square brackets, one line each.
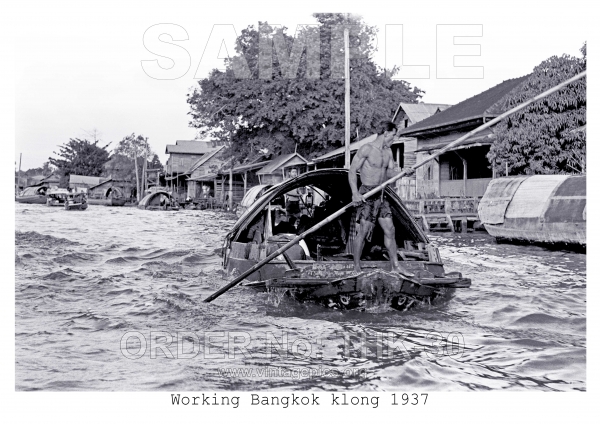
[78, 64]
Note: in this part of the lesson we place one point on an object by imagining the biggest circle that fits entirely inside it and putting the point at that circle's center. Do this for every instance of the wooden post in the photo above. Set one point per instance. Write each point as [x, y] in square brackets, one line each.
[144, 174]
[222, 188]
[245, 179]
[463, 224]
[214, 193]
[231, 187]
[506, 169]
[347, 99]
[464, 161]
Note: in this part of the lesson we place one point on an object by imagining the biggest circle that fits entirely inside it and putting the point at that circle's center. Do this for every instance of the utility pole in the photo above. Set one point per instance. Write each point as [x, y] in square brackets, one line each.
[347, 100]
[19, 181]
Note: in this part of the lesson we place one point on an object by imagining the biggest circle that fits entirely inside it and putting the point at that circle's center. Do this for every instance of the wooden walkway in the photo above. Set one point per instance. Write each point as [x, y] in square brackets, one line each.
[449, 214]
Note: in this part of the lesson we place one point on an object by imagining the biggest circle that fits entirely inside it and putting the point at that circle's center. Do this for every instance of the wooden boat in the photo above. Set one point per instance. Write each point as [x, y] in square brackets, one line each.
[57, 196]
[159, 200]
[320, 268]
[536, 209]
[33, 195]
[76, 202]
[112, 196]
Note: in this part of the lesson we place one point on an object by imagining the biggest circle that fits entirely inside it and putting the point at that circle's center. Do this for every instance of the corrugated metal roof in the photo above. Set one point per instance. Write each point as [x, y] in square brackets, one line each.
[278, 162]
[416, 112]
[189, 146]
[204, 159]
[481, 140]
[83, 179]
[207, 177]
[50, 178]
[472, 108]
[103, 182]
[341, 150]
[249, 166]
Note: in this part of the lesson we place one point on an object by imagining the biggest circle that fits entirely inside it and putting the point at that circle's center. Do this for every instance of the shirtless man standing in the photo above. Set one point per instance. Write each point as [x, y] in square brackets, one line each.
[375, 163]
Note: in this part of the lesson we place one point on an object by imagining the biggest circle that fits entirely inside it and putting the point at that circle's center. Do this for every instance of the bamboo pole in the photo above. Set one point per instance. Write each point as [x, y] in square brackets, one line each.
[382, 186]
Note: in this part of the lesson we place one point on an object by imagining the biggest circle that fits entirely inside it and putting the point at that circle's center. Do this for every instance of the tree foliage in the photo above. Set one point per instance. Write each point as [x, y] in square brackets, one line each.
[80, 157]
[280, 109]
[46, 170]
[127, 161]
[545, 137]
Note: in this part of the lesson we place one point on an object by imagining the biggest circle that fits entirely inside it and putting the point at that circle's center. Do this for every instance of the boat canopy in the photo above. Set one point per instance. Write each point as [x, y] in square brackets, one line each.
[114, 192]
[154, 199]
[34, 191]
[334, 192]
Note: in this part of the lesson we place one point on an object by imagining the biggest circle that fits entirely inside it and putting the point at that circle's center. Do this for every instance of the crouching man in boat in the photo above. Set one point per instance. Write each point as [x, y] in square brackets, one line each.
[375, 163]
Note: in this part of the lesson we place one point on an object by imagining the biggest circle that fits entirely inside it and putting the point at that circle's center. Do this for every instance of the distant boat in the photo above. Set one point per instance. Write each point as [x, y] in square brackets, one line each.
[57, 196]
[33, 195]
[159, 201]
[76, 201]
[536, 208]
[112, 196]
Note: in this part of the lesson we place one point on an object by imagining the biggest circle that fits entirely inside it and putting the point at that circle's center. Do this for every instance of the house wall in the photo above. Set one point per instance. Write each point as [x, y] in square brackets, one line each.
[427, 177]
[402, 120]
[435, 179]
[181, 162]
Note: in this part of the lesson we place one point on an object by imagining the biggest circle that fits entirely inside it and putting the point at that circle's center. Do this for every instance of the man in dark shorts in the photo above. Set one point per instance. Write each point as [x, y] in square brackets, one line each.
[375, 163]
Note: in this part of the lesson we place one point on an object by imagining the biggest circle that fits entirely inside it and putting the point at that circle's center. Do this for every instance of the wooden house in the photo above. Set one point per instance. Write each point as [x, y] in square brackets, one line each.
[183, 157]
[83, 182]
[278, 168]
[52, 180]
[464, 171]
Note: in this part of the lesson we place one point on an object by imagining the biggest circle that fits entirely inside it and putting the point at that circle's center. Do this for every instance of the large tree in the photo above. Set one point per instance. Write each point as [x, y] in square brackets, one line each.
[260, 101]
[131, 150]
[80, 157]
[547, 137]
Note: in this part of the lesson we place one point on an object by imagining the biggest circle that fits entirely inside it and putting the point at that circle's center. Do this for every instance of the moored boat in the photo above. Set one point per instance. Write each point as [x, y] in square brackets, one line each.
[112, 196]
[320, 268]
[32, 195]
[536, 209]
[159, 200]
[250, 197]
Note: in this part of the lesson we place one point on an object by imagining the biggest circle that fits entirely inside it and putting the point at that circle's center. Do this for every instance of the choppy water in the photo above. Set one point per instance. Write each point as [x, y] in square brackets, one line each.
[86, 279]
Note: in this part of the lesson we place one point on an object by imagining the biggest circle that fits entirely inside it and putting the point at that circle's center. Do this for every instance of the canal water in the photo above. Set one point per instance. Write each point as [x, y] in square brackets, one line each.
[111, 299]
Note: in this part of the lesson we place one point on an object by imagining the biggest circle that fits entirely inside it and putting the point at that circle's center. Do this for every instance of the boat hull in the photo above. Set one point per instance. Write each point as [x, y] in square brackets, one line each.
[76, 206]
[39, 200]
[536, 209]
[335, 284]
[107, 202]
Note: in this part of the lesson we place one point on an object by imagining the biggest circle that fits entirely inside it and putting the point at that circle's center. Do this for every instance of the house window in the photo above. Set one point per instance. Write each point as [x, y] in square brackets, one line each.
[405, 123]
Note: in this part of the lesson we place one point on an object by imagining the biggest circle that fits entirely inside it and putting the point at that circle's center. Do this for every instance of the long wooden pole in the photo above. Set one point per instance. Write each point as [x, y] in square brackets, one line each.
[382, 186]
[347, 98]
